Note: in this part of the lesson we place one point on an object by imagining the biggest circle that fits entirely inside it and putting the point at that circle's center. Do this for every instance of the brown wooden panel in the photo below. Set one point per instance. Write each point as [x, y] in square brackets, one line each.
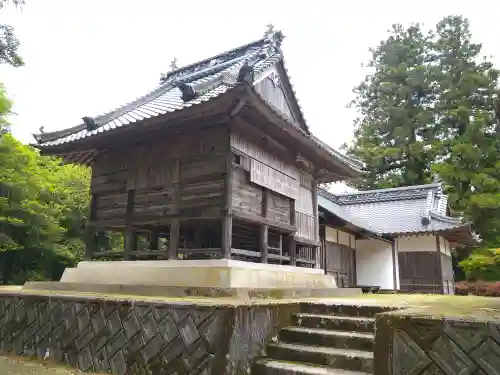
[112, 181]
[419, 271]
[272, 92]
[305, 226]
[340, 262]
[306, 180]
[208, 193]
[265, 154]
[304, 202]
[272, 179]
[246, 197]
[278, 208]
[202, 169]
[111, 206]
[152, 204]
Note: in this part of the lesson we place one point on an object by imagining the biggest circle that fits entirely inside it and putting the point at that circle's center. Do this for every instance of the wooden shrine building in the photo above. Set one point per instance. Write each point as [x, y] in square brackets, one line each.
[216, 162]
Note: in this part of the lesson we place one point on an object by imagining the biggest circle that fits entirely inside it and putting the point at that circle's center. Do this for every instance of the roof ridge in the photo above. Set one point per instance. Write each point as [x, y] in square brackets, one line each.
[388, 190]
[219, 55]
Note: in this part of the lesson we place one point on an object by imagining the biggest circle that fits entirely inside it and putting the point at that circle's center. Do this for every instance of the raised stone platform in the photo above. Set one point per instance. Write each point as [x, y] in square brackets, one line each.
[219, 273]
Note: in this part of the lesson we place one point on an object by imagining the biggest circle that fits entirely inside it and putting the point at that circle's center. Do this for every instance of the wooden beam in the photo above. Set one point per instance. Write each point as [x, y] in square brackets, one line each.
[175, 223]
[394, 265]
[227, 220]
[90, 235]
[316, 251]
[292, 251]
[440, 265]
[130, 239]
[264, 229]
[255, 219]
[154, 240]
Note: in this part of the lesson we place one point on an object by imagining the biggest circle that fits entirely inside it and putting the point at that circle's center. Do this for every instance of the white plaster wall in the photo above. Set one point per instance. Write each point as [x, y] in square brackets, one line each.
[374, 264]
[417, 243]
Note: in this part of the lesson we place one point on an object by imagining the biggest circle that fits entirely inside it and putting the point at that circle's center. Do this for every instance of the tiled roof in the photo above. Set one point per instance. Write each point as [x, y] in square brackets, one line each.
[406, 210]
[192, 85]
[211, 77]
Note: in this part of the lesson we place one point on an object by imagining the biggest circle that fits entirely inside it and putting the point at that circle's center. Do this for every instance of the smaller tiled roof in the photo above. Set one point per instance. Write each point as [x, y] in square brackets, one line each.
[396, 211]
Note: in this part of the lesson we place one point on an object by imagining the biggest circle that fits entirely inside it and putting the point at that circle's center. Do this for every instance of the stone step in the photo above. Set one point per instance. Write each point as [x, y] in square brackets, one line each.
[343, 359]
[368, 311]
[274, 367]
[336, 322]
[328, 338]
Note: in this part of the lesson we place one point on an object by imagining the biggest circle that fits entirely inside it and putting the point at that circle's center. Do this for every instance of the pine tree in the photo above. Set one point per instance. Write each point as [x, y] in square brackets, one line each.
[428, 108]
[468, 134]
[392, 134]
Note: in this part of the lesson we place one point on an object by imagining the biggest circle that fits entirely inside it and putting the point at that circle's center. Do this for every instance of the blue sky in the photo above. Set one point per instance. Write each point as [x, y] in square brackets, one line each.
[85, 57]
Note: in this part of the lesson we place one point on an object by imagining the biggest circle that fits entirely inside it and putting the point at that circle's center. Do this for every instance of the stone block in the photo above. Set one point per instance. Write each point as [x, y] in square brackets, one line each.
[139, 337]
[431, 345]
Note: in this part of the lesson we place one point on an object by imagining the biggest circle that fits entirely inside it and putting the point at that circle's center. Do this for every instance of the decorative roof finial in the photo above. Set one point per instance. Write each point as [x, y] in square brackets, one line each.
[173, 64]
[269, 30]
[275, 36]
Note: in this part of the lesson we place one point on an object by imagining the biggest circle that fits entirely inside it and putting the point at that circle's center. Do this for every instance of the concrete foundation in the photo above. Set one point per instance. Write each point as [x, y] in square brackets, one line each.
[195, 278]
[220, 273]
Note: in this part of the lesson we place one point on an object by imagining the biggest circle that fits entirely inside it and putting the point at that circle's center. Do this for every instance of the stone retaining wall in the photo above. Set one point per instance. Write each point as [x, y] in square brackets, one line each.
[433, 346]
[125, 337]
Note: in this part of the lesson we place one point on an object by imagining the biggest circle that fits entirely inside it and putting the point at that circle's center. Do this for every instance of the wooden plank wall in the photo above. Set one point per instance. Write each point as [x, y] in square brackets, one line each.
[270, 89]
[305, 209]
[192, 165]
[296, 185]
[419, 271]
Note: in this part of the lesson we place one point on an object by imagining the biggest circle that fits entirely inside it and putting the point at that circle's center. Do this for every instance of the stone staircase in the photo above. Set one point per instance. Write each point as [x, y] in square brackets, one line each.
[325, 340]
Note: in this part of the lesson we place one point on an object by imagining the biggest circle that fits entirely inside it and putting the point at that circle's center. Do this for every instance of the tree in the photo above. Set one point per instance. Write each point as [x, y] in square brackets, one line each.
[43, 206]
[8, 42]
[428, 108]
[392, 134]
[466, 128]
[5, 109]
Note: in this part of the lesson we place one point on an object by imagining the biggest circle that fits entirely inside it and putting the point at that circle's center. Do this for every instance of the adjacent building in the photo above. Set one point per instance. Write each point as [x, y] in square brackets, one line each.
[399, 238]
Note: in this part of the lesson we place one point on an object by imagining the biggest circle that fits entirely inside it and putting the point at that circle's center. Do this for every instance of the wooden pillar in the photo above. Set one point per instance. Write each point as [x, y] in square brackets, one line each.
[90, 235]
[173, 243]
[322, 238]
[130, 240]
[154, 240]
[317, 249]
[291, 240]
[292, 251]
[264, 229]
[440, 265]
[175, 223]
[227, 220]
[394, 265]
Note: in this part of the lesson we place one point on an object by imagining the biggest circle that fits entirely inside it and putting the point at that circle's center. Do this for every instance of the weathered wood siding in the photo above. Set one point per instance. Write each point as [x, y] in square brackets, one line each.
[279, 208]
[270, 88]
[258, 167]
[182, 175]
[419, 271]
[305, 210]
[247, 197]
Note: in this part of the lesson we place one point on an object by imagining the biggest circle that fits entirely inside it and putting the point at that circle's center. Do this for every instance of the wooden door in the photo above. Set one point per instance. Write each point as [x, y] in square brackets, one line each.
[340, 262]
[419, 271]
